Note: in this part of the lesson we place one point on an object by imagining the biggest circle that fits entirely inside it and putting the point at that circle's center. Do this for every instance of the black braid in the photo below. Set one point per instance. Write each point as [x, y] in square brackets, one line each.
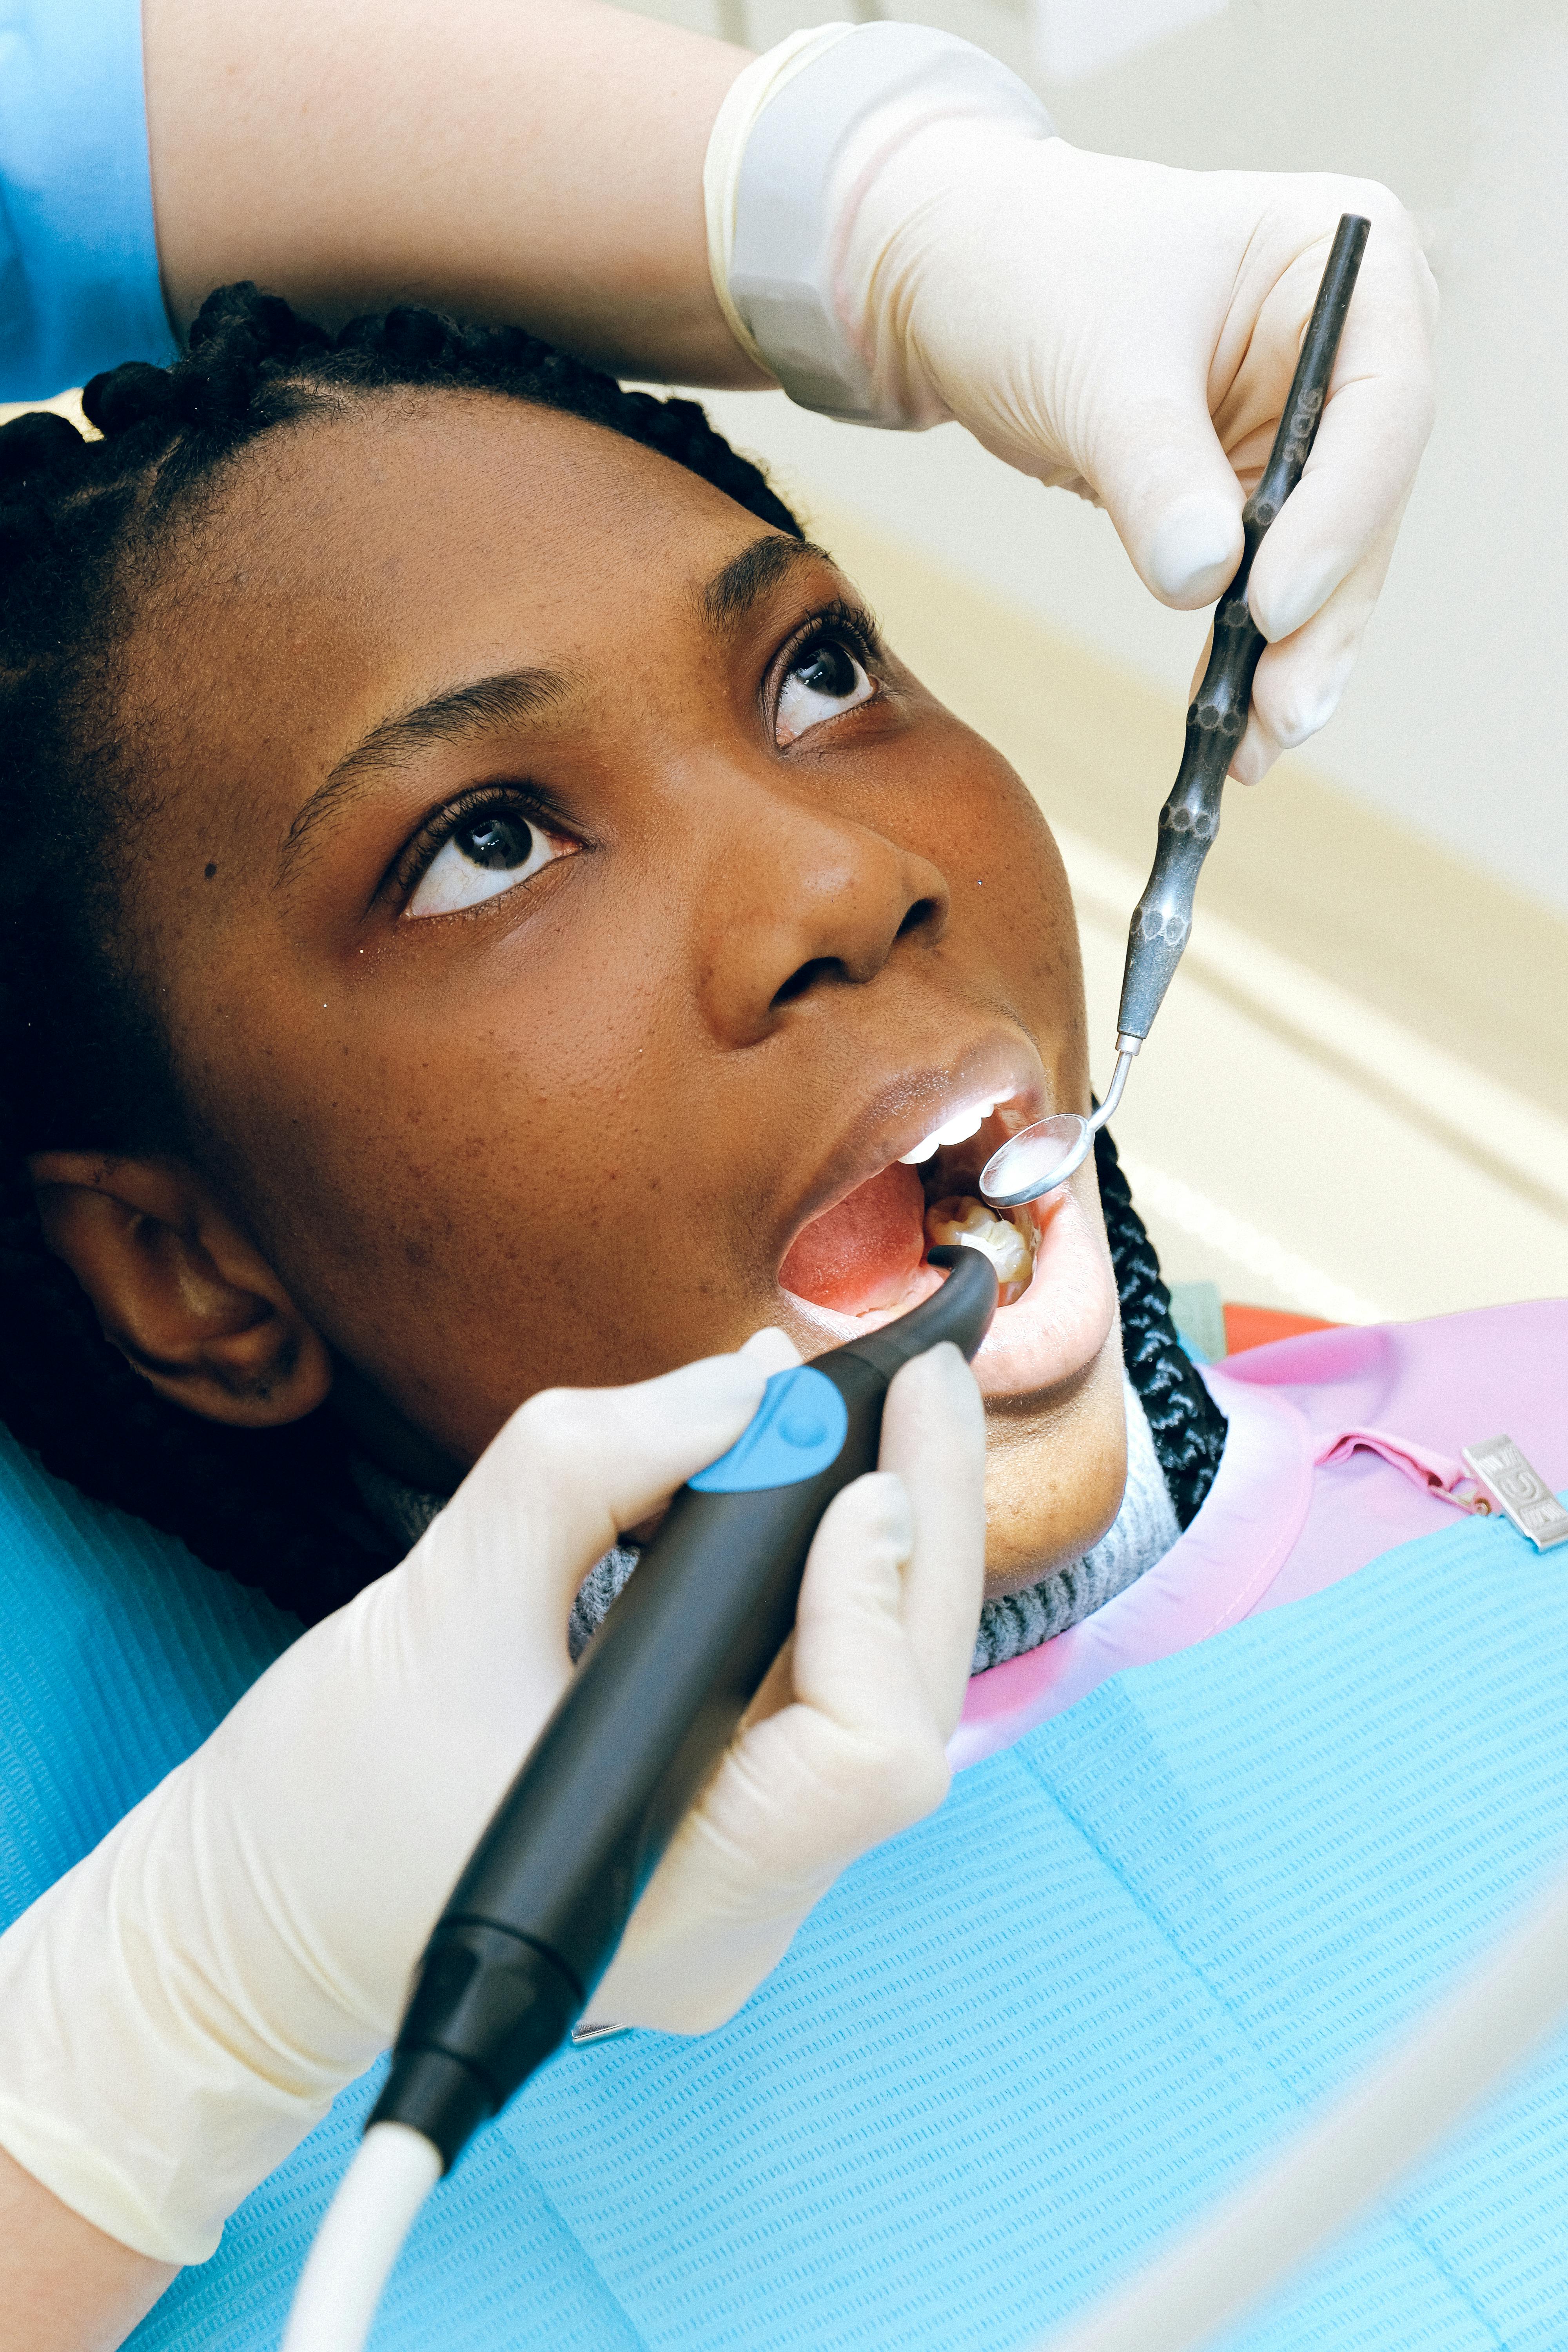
[80, 1060]
[1184, 1422]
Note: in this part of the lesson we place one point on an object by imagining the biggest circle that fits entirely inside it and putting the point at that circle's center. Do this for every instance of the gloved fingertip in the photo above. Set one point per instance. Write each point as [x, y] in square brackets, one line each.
[866, 1529]
[1194, 550]
[1295, 700]
[718, 1384]
[961, 1388]
[883, 1505]
[1256, 754]
[1308, 716]
[934, 1420]
[773, 1350]
[941, 1374]
[1280, 609]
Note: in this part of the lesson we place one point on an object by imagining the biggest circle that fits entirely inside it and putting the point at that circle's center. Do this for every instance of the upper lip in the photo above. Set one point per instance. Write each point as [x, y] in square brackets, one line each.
[907, 1108]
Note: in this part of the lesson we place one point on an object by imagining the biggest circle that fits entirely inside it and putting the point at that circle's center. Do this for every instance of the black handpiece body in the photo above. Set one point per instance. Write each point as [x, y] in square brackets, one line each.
[1217, 717]
[536, 1918]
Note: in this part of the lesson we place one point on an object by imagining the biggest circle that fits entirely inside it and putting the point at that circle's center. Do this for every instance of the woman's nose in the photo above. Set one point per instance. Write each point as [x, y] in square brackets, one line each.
[805, 899]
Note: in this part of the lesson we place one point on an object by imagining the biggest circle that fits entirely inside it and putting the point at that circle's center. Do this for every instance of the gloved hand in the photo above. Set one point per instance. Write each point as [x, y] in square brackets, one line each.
[1130, 332]
[895, 233]
[182, 2008]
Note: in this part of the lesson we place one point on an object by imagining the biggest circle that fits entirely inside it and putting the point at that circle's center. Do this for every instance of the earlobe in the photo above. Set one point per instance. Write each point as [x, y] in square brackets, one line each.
[179, 1289]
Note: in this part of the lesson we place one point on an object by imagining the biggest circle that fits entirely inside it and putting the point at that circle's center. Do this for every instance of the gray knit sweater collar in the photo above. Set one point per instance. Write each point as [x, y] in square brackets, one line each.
[1142, 1533]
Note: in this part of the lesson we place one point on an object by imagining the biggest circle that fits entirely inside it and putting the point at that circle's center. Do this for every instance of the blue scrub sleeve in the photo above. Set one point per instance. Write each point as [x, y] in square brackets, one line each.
[80, 289]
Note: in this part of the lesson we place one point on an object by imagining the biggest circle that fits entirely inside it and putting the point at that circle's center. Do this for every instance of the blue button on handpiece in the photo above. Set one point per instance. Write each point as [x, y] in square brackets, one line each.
[796, 1431]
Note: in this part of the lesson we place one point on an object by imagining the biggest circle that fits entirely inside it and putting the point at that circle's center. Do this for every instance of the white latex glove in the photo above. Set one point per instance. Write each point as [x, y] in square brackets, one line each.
[1130, 332]
[181, 2009]
[894, 233]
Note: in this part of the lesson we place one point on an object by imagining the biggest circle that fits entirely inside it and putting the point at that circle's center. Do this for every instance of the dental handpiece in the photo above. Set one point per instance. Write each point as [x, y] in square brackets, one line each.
[534, 1920]
[1045, 1155]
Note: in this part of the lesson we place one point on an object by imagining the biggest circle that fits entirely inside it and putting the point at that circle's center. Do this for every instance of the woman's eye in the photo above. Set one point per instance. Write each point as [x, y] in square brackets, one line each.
[487, 853]
[823, 680]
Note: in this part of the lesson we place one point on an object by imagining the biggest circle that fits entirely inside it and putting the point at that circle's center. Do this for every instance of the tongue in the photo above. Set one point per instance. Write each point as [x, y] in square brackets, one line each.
[861, 1254]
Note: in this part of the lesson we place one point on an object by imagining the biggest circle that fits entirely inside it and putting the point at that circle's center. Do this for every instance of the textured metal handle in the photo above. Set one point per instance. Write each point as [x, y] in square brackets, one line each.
[1218, 718]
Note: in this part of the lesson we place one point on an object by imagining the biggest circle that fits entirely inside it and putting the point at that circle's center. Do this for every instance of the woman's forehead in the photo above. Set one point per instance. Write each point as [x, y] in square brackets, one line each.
[354, 563]
[398, 483]
[364, 579]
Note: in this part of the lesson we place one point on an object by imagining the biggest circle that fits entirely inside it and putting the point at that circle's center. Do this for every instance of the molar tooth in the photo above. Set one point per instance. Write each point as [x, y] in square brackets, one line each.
[965, 1221]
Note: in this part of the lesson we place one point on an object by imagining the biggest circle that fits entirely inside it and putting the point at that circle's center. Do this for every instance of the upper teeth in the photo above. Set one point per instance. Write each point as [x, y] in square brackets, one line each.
[959, 1128]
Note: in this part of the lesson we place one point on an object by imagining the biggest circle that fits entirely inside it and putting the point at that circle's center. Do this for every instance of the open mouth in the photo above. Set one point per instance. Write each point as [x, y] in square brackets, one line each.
[865, 1259]
[866, 1254]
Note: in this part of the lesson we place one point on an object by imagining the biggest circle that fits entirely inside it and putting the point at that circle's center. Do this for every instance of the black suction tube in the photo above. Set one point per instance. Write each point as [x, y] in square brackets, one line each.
[534, 1920]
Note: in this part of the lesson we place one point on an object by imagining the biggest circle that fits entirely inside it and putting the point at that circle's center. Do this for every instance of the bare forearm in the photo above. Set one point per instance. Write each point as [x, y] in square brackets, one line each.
[64, 2287]
[538, 161]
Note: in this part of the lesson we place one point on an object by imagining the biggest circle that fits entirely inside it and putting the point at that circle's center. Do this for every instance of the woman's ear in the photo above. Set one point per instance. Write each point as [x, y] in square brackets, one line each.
[179, 1289]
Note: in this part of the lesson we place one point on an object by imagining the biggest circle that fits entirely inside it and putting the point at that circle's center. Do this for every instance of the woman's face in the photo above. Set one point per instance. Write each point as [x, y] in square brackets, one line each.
[566, 918]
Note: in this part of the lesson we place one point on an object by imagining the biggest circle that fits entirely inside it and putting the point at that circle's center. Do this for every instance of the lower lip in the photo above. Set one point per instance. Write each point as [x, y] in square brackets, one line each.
[1054, 1331]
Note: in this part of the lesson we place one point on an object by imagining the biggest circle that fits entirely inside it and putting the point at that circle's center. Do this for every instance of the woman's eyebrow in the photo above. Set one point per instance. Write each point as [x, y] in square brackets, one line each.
[455, 715]
[728, 596]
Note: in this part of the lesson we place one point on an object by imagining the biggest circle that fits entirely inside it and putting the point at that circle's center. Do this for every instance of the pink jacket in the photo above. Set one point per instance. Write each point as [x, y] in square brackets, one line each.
[1342, 1445]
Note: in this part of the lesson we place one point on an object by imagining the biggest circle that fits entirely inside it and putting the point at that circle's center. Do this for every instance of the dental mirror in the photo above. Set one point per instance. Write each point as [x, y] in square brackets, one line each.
[1047, 1153]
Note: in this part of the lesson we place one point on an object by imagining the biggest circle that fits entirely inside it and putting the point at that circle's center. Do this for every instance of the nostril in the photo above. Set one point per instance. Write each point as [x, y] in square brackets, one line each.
[806, 977]
[925, 914]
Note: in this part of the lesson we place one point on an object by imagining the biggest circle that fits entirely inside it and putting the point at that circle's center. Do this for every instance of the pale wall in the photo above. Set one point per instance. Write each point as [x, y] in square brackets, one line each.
[1453, 722]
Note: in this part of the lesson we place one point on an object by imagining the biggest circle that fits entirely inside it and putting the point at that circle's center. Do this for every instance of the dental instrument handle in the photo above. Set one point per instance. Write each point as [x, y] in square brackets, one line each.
[534, 1920]
[1162, 922]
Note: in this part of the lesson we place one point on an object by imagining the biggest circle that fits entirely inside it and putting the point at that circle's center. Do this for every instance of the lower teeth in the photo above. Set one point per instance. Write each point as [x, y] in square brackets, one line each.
[1007, 1242]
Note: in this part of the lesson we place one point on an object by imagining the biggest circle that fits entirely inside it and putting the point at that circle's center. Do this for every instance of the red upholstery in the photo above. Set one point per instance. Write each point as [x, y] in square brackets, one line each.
[1254, 1327]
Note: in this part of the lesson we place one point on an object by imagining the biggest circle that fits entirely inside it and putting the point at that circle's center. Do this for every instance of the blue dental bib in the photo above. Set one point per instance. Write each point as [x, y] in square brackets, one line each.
[1007, 2053]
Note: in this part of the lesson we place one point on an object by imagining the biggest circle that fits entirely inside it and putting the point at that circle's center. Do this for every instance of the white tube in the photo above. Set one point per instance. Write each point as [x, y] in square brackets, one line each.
[377, 2201]
[1393, 2116]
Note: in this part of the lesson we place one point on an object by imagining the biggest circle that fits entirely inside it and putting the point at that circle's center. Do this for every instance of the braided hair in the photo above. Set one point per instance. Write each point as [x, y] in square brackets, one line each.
[82, 523]
[1186, 1423]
